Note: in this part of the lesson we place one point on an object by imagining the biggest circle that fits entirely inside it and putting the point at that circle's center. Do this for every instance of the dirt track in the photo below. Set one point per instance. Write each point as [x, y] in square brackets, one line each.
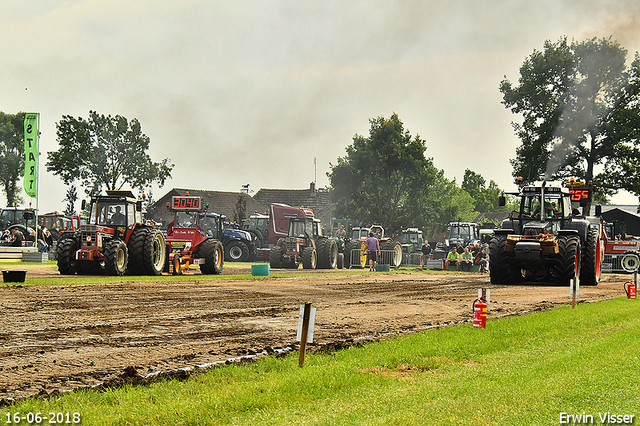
[56, 338]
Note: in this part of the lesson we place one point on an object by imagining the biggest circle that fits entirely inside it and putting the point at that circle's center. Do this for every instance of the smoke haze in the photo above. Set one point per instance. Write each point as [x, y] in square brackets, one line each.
[252, 91]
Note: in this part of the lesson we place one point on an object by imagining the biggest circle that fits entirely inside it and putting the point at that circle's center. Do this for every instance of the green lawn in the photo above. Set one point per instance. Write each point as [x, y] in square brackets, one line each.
[523, 370]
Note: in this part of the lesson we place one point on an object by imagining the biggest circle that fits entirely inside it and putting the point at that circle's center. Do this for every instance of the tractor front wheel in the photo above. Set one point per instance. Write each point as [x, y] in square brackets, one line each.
[116, 257]
[66, 255]
[213, 253]
[309, 258]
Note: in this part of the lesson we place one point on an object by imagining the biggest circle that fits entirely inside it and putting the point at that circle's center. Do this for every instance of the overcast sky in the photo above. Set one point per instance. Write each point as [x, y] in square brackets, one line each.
[238, 92]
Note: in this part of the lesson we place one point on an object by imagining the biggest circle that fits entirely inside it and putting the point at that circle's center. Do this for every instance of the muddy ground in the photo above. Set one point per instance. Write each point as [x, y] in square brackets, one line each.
[62, 337]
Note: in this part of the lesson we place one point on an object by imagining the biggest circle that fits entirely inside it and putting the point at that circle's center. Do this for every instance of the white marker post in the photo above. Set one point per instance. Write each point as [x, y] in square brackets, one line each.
[485, 293]
[574, 291]
[305, 329]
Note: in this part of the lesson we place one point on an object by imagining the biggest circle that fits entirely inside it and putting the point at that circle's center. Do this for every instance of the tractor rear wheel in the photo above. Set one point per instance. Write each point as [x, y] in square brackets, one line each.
[66, 255]
[275, 257]
[116, 257]
[592, 259]
[567, 264]
[309, 258]
[213, 253]
[154, 252]
[499, 268]
[135, 245]
[327, 253]
[236, 251]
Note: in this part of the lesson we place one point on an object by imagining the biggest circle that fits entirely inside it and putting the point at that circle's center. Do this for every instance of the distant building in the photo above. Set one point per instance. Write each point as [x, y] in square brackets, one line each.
[316, 199]
[626, 216]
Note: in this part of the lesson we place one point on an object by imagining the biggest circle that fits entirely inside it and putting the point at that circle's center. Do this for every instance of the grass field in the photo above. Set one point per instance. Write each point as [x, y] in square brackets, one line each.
[525, 370]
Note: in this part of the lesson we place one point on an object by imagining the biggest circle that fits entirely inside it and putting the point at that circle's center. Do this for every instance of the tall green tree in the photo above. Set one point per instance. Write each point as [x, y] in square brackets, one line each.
[485, 197]
[11, 155]
[105, 152]
[580, 105]
[386, 179]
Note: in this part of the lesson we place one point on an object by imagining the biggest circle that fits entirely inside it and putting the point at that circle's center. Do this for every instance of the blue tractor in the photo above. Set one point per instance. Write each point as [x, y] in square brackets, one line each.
[238, 245]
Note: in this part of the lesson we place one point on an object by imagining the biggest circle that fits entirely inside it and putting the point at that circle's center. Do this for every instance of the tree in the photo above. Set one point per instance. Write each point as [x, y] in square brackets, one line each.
[485, 198]
[386, 179]
[11, 155]
[580, 107]
[240, 212]
[105, 152]
[71, 197]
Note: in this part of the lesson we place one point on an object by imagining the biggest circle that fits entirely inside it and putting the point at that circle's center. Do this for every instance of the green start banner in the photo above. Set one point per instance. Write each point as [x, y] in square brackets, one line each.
[31, 121]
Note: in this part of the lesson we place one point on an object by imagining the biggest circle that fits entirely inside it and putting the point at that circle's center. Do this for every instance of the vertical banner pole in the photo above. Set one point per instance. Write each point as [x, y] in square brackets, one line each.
[31, 156]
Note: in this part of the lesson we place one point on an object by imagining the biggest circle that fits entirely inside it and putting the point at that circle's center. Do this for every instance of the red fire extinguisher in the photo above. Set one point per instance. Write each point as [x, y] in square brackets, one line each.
[480, 313]
[630, 289]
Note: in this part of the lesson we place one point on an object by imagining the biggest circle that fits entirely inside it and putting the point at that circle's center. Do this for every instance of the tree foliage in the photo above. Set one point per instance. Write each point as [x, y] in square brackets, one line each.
[386, 179]
[11, 155]
[70, 198]
[580, 106]
[485, 197]
[105, 152]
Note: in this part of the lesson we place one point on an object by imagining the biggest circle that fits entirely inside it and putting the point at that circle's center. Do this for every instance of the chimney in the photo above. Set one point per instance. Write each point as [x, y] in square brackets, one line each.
[312, 189]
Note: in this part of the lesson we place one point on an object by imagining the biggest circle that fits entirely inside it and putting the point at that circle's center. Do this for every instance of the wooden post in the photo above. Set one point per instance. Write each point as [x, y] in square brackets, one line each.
[305, 331]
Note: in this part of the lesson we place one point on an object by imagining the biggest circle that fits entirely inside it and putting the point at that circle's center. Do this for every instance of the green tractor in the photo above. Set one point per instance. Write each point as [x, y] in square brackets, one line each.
[411, 242]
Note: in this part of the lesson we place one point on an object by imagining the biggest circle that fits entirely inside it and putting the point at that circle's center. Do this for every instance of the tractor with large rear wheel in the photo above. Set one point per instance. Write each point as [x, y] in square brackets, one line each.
[115, 241]
[546, 241]
[304, 244]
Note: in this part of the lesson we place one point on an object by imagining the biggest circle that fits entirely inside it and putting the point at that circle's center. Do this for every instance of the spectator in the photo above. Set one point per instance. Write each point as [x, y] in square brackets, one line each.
[17, 237]
[42, 243]
[373, 248]
[453, 256]
[475, 249]
[426, 252]
[483, 260]
[466, 260]
[459, 248]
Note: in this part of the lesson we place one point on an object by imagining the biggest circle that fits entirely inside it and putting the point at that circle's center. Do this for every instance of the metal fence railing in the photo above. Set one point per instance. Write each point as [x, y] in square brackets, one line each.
[411, 259]
[359, 258]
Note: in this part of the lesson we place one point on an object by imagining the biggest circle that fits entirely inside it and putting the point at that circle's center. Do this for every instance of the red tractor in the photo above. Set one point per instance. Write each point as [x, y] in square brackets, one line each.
[115, 241]
[188, 242]
[304, 244]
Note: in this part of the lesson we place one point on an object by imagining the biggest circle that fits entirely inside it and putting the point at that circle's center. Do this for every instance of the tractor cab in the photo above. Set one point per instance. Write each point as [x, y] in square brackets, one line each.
[304, 228]
[116, 209]
[411, 240]
[211, 225]
[463, 233]
[21, 218]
